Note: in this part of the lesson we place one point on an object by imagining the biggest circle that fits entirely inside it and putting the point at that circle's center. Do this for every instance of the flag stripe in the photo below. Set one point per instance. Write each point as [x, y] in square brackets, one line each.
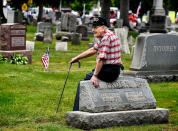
[45, 59]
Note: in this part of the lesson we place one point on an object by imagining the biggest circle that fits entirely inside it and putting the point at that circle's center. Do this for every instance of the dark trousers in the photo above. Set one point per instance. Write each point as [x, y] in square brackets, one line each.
[108, 73]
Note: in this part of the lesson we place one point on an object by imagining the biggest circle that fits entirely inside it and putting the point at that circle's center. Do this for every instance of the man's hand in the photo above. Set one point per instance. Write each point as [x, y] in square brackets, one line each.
[75, 59]
[94, 79]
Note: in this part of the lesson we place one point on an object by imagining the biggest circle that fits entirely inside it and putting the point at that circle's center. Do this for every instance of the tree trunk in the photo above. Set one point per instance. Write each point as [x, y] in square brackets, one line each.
[40, 14]
[2, 17]
[105, 11]
[124, 9]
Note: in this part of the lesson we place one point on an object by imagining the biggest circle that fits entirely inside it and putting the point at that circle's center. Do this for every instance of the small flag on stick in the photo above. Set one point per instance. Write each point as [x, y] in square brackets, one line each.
[45, 59]
[138, 9]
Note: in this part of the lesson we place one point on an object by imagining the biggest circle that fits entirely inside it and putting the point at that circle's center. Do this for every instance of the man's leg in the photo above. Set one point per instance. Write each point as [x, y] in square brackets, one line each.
[76, 103]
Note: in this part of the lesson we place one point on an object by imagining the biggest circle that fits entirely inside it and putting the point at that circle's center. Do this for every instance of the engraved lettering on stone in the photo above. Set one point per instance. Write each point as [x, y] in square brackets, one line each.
[111, 97]
[17, 32]
[17, 41]
[164, 48]
[122, 83]
[17, 26]
[135, 96]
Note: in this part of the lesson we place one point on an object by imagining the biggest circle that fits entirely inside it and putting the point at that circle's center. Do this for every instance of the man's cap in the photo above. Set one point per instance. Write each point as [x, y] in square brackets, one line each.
[99, 21]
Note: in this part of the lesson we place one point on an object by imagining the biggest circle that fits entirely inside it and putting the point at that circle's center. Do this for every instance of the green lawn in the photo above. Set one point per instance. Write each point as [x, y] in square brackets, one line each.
[29, 96]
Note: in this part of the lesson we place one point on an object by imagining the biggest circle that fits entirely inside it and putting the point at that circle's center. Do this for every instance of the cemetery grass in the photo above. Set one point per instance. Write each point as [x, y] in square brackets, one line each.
[29, 96]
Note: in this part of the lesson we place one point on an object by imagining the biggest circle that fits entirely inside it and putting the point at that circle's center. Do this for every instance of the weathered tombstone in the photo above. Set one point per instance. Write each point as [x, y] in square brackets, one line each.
[13, 40]
[158, 18]
[48, 36]
[61, 46]
[42, 25]
[59, 35]
[14, 17]
[72, 23]
[58, 26]
[122, 34]
[126, 101]
[155, 57]
[30, 45]
[64, 22]
[130, 40]
[10, 16]
[82, 29]
[76, 39]
[39, 36]
[132, 53]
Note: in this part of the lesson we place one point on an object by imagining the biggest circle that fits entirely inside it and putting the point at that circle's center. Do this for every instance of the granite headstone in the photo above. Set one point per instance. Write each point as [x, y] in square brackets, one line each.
[13, 36]
[126, 101]
[83, 30]
[155, 57]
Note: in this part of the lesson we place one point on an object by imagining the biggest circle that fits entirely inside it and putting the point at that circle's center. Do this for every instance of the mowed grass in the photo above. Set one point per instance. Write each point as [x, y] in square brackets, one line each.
[29, 96]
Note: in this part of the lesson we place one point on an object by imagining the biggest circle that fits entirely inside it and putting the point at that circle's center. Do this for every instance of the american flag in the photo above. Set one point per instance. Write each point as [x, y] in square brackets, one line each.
[45, 59]
[138, 9]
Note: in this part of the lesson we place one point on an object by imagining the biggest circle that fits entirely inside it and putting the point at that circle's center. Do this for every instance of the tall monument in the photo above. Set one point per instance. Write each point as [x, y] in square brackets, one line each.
[156, 53]
[158, 18]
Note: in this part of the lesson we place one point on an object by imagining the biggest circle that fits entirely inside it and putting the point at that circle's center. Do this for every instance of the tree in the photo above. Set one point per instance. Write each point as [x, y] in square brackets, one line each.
[2, 17]
[124, 9]
[105, 10]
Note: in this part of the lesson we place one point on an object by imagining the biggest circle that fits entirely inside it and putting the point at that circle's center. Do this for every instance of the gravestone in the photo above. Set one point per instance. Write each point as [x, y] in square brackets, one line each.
[122, 34]
[11, 16]
[58, 26]
[131, 40]
[30, 45]
[82, 29]
[48, 36]
[158, 18]
[64, 22]
[155, 57]
[39, 35]
[126, 101]
[14, 16]
[13, 40]
[61, 46]
[13, 37]
[68, 22]
[42, 25]
[76, 38]
[72, 22]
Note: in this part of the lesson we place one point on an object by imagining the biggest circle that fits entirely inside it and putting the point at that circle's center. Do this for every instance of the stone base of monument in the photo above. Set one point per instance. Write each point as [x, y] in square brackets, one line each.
[87, 121]
[153, 76]
[9, 54]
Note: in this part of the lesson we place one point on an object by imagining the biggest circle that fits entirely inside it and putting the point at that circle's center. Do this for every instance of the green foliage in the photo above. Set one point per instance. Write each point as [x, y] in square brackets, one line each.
[19, 59]
[3, 59]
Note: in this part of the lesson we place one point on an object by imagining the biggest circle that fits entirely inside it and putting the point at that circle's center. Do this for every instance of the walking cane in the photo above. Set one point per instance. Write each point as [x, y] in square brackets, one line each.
[64, 85]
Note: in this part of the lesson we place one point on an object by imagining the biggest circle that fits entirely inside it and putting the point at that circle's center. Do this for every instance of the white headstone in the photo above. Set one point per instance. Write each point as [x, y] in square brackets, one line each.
[61, 46]
[30, 45]
[122, 34]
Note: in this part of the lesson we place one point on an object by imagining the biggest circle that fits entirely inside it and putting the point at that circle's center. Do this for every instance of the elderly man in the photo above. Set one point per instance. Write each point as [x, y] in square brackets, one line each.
[108, 61]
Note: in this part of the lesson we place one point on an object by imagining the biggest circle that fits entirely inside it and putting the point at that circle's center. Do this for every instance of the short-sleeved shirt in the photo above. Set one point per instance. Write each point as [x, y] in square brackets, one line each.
[108, 48]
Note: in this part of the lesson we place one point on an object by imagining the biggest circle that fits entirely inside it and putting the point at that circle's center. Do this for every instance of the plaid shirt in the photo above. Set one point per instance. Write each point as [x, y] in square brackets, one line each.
[108, 48]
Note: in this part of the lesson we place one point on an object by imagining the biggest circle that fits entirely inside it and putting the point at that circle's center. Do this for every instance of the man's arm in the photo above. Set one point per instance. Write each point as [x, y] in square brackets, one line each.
[99, 65]
[85, 54]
